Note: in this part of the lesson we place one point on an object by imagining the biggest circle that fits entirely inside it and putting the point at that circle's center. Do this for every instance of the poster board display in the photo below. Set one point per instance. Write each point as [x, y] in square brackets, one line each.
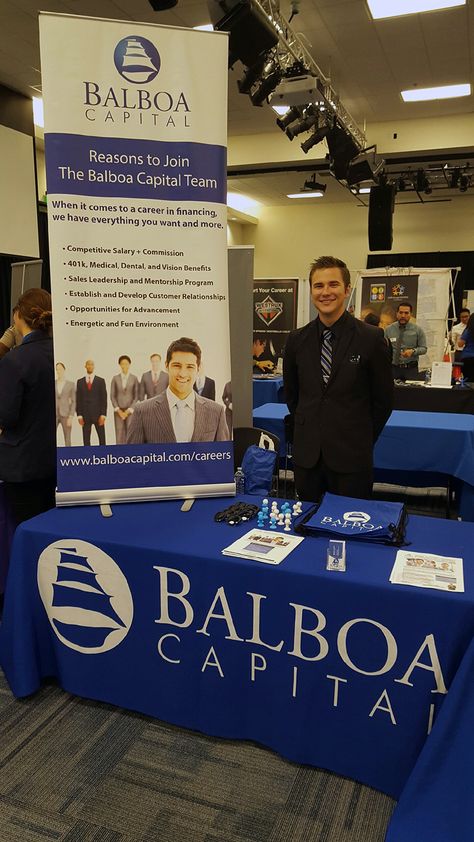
[135, 146]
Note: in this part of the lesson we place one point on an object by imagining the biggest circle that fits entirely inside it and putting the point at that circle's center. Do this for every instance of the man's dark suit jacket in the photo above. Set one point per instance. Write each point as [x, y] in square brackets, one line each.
[28, 411]
[343, 420]
[91, 403]
[208, 390]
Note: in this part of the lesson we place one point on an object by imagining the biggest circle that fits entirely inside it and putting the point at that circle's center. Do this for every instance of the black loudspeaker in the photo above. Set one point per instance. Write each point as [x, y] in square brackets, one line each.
[381, 205]
[251, 32]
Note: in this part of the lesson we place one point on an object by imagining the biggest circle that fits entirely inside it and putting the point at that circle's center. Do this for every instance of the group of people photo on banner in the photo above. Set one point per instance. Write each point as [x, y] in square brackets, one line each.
[176, 404]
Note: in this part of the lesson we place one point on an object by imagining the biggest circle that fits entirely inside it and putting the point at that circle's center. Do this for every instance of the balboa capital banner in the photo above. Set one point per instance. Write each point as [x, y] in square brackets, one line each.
[135, 144]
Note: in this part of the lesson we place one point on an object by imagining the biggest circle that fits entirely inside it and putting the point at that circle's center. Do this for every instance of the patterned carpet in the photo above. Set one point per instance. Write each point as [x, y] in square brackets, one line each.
[79, 771]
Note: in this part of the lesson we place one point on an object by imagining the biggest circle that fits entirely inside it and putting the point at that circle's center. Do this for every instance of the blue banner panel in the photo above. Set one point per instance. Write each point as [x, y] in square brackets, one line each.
[135, 168]
[144, 465]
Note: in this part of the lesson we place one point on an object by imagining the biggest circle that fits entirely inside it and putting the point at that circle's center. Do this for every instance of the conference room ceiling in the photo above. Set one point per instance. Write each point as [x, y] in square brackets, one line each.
[369, 62]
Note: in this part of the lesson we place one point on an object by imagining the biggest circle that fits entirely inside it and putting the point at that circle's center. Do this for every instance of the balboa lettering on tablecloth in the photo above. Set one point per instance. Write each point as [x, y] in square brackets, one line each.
[90, 607]
[182, 603]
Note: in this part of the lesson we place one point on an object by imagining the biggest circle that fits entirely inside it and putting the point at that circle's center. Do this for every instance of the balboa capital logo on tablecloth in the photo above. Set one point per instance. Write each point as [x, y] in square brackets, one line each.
[85, 595]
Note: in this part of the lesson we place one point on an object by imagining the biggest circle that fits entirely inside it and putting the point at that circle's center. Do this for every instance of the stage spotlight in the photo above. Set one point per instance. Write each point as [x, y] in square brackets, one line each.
[307, 122]
[463, 183]
[246, 84]
[401, 184]
[312, 185]
[318, 135]
[266, 86]
[251, 31]
[422, 183]
[290, 117]
[364, 167]
[342, 150]
[455, 175]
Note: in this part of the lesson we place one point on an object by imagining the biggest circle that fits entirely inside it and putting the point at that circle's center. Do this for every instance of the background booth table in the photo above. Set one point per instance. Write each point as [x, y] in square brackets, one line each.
[430, 399]
[267, 390]
[324, 702]
[412, 444]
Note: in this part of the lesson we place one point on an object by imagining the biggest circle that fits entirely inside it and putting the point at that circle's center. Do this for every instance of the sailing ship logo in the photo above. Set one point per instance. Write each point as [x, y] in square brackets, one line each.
[85, 595]
[137, 60]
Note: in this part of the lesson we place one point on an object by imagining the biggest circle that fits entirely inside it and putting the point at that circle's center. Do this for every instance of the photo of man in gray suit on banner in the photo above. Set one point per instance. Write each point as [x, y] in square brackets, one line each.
[179, 414]
[155, 381]
[65, 402]
[124, 396]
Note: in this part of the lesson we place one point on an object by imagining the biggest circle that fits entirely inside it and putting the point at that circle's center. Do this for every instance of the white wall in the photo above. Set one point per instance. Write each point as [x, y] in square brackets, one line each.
[287, 239]
[18, 218]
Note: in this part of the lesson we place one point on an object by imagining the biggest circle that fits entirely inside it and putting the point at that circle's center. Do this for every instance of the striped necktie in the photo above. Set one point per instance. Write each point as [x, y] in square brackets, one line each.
[326, 355]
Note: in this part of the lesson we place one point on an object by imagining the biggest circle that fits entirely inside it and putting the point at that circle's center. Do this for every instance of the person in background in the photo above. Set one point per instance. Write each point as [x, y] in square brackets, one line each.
[155, 381]
[262, 361]
[466, 346]
[458, 329]
[205, 386]
[10, 339]
[27, 411]
[124, 396]
[408, 343]
[91, 404]
[65, 402]
[373, 319]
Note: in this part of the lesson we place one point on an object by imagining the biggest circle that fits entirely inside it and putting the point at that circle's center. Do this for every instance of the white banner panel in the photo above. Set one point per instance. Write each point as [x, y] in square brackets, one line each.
[135, 144]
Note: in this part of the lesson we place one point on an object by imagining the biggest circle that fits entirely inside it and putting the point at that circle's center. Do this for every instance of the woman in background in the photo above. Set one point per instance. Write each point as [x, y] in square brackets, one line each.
[27, 411]
[466, 345]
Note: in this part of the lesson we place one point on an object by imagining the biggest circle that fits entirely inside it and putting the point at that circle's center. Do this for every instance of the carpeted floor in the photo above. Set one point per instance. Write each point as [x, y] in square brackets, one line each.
[79, 771]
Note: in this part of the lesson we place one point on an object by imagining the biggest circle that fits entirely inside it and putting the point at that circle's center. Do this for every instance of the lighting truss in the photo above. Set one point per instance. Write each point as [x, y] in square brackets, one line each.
[291, 51]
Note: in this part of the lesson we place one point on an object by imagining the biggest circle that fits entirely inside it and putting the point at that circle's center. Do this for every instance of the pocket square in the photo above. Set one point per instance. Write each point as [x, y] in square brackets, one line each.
[354, 359]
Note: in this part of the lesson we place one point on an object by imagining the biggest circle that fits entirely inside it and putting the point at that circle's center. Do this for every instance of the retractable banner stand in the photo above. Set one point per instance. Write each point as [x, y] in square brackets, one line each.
[135, 143]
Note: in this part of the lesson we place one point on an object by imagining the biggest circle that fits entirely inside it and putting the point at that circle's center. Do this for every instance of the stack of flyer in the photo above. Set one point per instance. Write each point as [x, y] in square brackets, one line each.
[425, 570]
[261, 545]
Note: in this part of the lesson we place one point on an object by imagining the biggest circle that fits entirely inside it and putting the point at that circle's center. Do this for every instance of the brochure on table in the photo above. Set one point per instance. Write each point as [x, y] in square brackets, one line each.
[425, 570]
[262, 545]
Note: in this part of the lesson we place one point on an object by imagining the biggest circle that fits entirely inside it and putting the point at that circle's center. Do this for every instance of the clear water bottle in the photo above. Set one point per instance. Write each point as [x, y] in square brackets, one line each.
[239, 479]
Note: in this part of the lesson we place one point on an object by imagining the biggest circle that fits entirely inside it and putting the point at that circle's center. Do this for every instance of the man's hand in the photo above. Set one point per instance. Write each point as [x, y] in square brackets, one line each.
[81, 420]
[101, 420]
[408, 352]
[264, 365]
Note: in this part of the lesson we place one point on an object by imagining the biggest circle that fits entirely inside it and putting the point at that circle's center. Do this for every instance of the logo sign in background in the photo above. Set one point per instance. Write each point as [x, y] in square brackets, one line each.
[274, 312]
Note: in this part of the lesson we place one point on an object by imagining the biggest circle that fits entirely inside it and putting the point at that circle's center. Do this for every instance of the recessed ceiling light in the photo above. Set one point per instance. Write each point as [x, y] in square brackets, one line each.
[38, 117]
[396, 8]
[440, 92]
[205, 27]
[364, 189]
[281, 110]
[240, 202]
[306, 194]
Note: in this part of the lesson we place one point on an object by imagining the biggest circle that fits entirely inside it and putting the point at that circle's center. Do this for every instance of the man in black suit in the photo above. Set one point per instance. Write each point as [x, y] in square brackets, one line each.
[339, 390]
[91, 404]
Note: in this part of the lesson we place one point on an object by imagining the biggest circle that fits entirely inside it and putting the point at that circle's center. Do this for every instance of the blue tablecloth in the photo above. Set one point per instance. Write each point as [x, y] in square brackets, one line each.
[6, 534]
[337, 670]
[418, 442]
[267, 390]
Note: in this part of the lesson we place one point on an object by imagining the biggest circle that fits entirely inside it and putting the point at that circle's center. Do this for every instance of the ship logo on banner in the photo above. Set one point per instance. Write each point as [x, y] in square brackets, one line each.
[137, 60]
[85, 595]
[268, 310]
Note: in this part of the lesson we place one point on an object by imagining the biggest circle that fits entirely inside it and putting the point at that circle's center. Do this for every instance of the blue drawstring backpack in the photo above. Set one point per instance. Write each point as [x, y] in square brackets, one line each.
[258, 466]
[349, 518]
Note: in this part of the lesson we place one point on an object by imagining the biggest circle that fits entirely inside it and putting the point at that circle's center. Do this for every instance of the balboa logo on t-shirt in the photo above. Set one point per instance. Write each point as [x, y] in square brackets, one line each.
[86, 596]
